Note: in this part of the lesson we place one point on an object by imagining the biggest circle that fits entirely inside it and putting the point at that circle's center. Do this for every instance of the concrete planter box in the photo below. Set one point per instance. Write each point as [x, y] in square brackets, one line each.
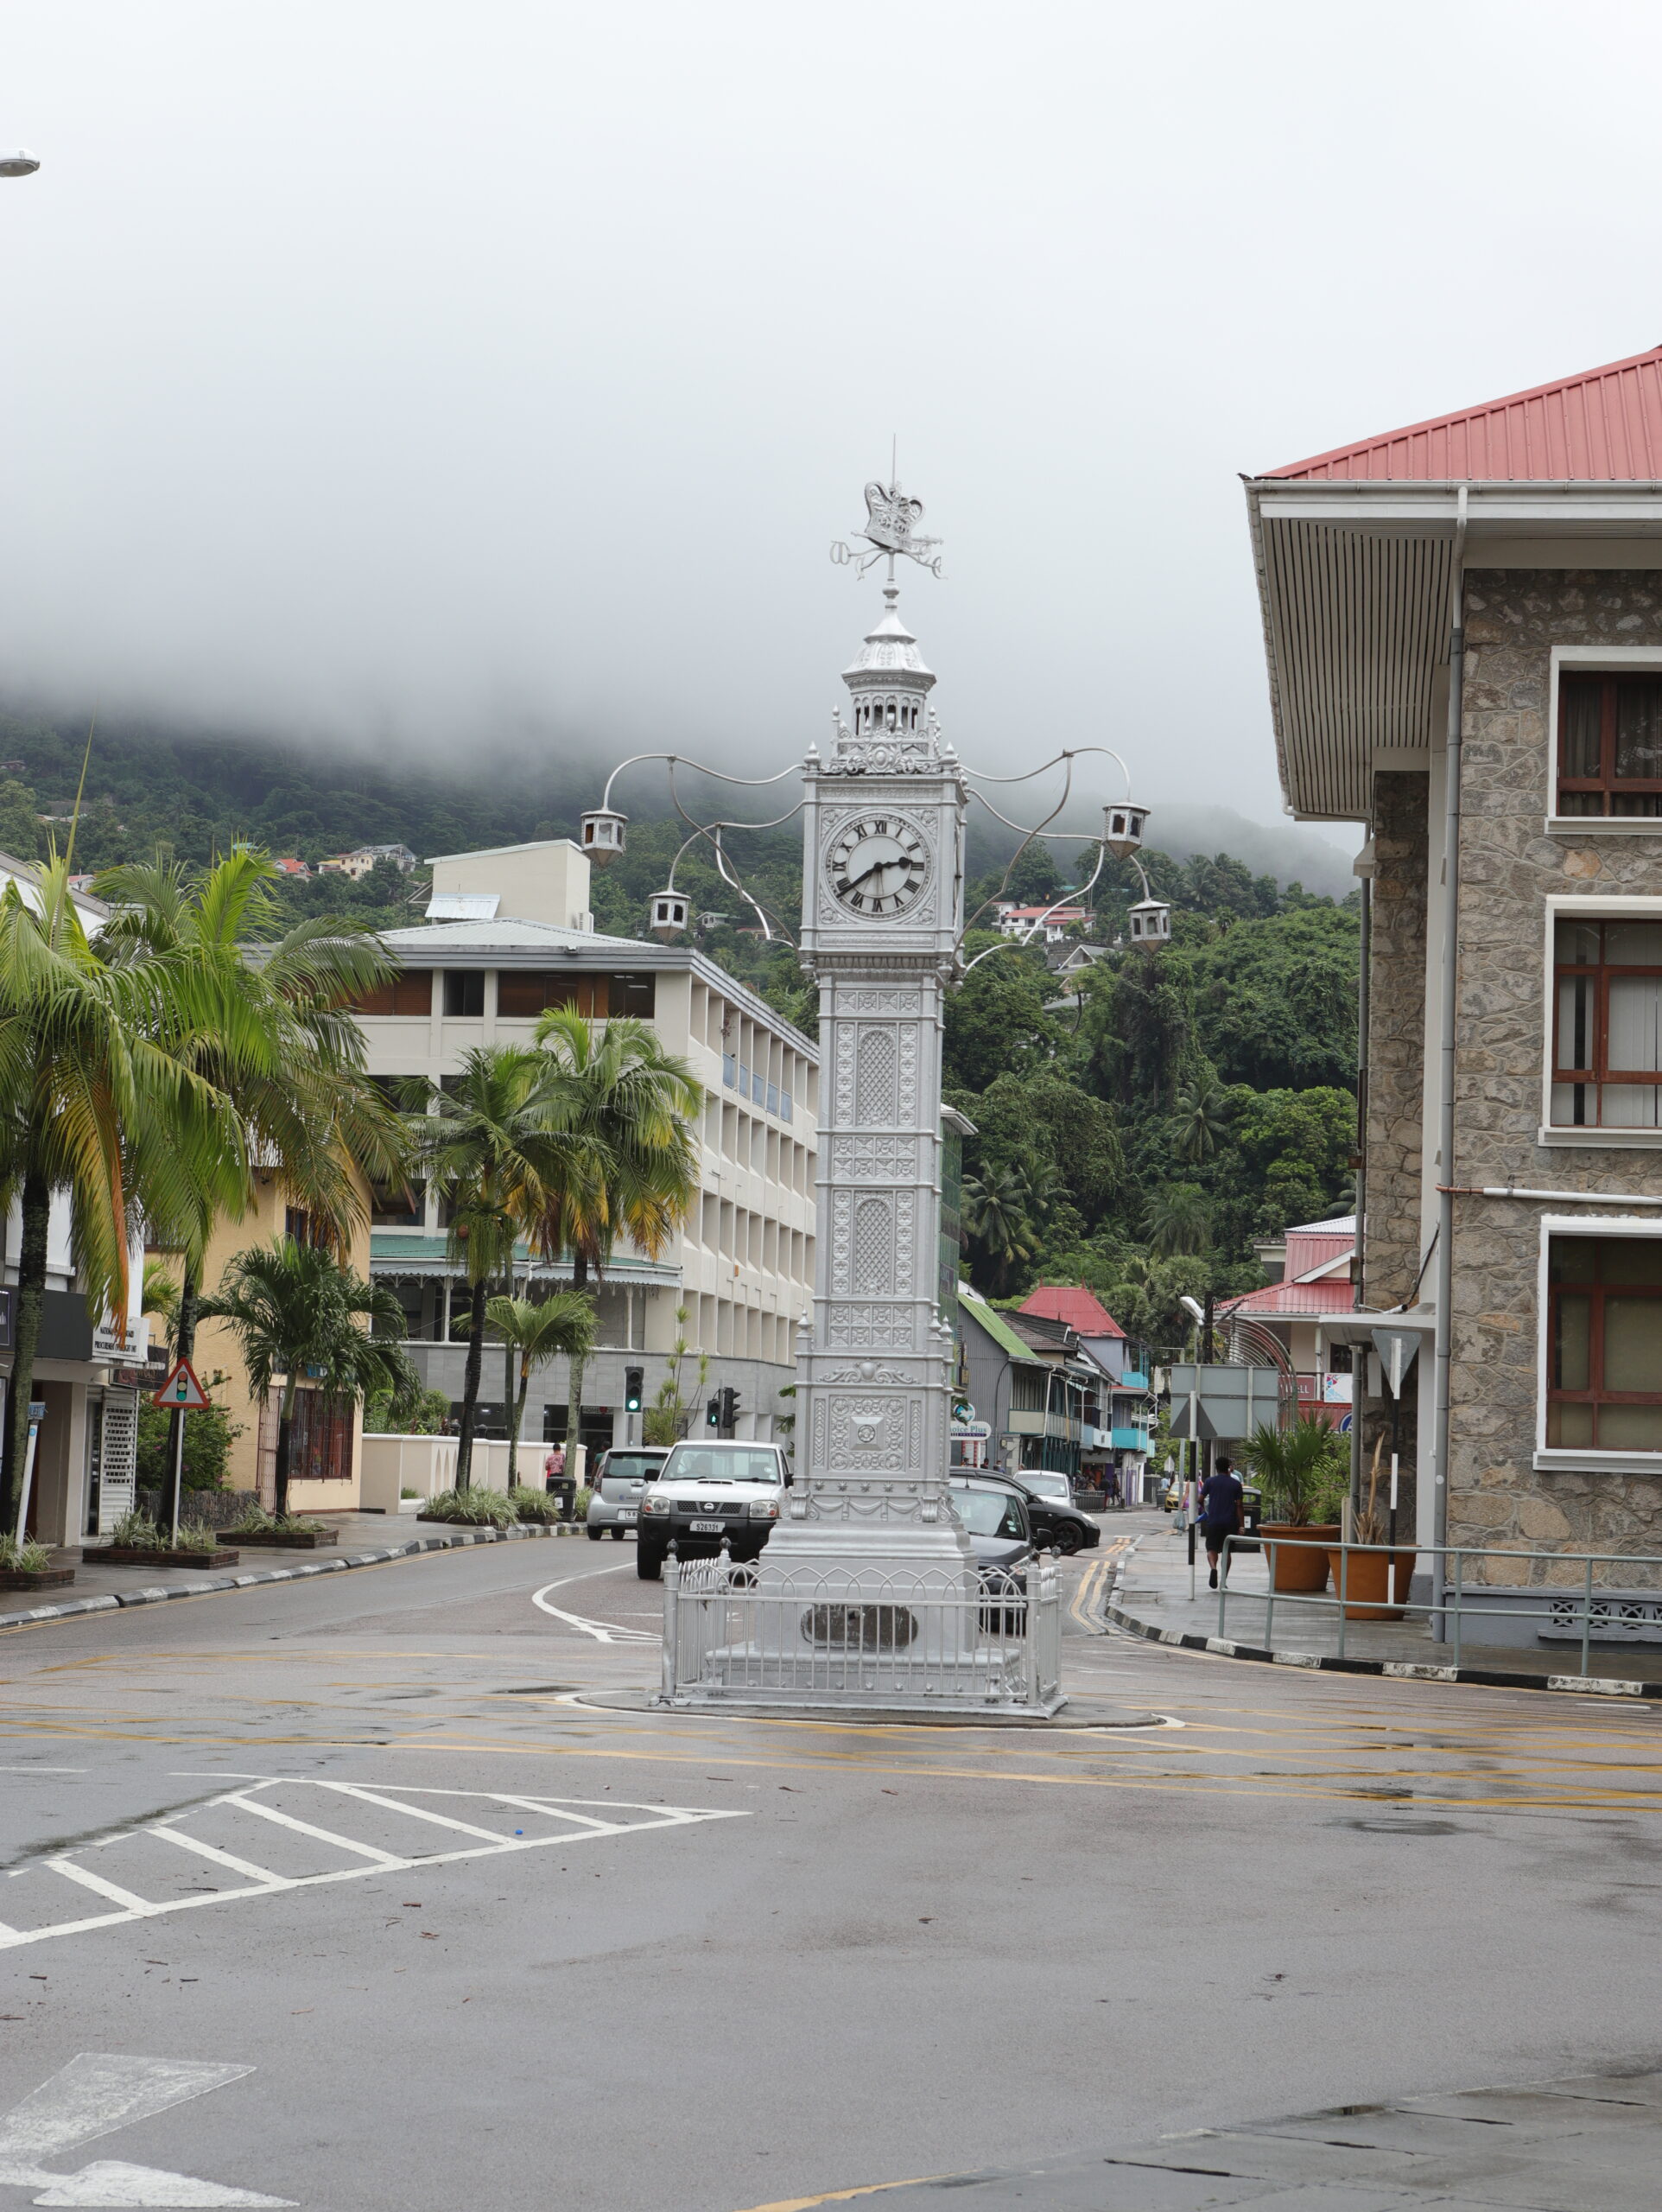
[275, 1540]
[41, 1578]
[125, 1555]
[1492, 1613]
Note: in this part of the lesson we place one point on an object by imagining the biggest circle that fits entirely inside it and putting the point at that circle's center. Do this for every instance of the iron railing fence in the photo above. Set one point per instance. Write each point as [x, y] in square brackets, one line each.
[908, 1639]
[1580, 1603]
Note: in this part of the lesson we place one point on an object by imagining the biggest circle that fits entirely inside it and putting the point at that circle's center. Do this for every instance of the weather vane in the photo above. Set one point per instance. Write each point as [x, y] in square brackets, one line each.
[892, 521]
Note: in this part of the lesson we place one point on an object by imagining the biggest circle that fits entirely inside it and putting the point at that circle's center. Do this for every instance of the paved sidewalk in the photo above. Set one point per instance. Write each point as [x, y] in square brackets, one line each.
[1591, 2144]
[365, 1540]
[1150, 1596]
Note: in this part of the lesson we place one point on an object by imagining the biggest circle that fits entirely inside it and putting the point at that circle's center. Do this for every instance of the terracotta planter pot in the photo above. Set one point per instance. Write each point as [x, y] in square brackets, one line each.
[1299, 1566]
[1364, 1583]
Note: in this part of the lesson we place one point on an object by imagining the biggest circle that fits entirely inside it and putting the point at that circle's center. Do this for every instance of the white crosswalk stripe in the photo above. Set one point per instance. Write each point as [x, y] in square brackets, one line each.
[34, 1895]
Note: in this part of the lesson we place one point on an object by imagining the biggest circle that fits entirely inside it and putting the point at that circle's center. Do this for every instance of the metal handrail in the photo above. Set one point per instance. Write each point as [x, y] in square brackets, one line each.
[1441, 1612]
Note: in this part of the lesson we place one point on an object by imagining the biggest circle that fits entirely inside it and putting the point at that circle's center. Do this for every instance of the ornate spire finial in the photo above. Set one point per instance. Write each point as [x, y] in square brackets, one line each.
[892, 521]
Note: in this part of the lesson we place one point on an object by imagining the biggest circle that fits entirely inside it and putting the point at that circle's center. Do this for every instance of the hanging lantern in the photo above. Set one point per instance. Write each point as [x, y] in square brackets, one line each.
[1150, 922]
[668, 911]
[1122, 829]
[603, 835]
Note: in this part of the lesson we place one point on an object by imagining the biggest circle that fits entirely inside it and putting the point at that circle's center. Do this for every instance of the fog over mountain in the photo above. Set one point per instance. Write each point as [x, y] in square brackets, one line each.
[409, 377]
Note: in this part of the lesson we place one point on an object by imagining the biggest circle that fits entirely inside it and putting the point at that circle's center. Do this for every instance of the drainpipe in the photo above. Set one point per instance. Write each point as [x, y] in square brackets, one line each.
[1445, 1128]
[1358, 1266]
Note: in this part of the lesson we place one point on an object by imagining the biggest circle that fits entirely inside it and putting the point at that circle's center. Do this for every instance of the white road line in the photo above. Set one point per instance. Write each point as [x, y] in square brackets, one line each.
[321, 1835]
[96, 2092]
[602, 1633]
[262, 1875]
[116, 1894]
[416, 1812]
[582, 1828]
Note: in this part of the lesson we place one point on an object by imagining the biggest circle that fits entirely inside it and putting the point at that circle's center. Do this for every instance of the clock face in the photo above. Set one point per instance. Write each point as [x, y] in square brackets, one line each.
[878, 865]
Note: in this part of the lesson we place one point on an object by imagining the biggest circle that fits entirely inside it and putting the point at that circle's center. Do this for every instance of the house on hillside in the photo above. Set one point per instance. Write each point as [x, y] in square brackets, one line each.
[1316, 1264]
[1030, 1392]
[1045, 925]
[1124, 1413]
[361, 858]
[1463, 627]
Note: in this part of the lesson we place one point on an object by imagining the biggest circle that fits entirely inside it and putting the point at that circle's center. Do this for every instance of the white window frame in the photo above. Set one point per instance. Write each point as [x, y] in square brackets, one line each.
[1613, 660]
[1550, 1458]
[1599, 907]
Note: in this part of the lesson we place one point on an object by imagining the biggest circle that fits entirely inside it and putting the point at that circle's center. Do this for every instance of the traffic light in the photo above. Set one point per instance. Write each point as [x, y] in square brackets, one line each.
[633, 1378]
[713, 1411]
[729, 1409]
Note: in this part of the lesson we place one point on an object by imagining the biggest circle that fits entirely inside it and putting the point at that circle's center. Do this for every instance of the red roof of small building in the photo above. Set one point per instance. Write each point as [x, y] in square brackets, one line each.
[1602, 426]
[1072, 1303]
[1321, 1258]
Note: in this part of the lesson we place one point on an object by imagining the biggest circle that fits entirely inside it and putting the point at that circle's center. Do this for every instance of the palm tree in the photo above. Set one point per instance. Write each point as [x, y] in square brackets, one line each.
[499, 1148]
[295, 1310]
[94, 1104]
[994, 1210]
[1179, 1221]
[563, 1323]
[264, 1019]
[633, 1105]
[1200, 1116]
[160, 1296]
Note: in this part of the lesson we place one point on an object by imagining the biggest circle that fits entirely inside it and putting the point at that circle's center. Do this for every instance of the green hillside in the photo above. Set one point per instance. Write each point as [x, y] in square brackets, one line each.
[1135, 1134]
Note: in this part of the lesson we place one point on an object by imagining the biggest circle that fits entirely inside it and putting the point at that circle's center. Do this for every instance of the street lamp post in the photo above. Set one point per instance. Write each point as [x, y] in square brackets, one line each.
[18, 163]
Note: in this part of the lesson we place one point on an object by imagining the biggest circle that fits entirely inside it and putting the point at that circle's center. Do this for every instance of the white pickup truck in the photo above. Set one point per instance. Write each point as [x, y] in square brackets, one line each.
[708, 1494]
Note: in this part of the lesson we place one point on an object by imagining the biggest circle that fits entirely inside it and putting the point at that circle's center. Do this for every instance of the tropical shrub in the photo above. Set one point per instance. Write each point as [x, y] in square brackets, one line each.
[473, 1508]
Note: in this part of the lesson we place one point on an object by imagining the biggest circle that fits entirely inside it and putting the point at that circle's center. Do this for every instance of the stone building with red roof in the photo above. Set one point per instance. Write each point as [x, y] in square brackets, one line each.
[1462, 625]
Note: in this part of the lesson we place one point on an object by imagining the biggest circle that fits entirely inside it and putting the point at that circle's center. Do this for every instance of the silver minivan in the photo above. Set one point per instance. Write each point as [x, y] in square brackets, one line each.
[620, 1482]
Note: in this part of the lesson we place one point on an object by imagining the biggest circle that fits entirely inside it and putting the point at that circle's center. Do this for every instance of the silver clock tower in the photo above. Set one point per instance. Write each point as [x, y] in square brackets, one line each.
[882, 888]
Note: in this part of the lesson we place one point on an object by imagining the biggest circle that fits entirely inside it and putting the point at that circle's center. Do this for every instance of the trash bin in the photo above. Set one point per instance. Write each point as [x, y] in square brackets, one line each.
[563, 1488]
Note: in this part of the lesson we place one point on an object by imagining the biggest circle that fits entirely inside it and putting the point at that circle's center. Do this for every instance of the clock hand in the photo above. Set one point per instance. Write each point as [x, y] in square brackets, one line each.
[873, 869]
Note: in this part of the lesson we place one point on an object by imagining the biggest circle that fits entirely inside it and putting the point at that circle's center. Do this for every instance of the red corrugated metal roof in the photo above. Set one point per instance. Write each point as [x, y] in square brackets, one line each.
[1072, 1303]
[1332, 1295]
[1603, 426]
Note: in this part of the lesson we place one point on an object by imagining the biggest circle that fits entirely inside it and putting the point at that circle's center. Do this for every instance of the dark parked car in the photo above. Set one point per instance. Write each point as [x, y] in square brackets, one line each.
[1058, 1523]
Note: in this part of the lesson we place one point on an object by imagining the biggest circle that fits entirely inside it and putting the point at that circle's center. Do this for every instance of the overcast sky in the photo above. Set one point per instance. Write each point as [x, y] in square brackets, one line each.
[408, 373]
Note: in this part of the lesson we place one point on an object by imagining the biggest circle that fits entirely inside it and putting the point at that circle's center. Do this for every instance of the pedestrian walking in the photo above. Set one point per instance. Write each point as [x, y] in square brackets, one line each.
[1223, 1495]
[553, 1467]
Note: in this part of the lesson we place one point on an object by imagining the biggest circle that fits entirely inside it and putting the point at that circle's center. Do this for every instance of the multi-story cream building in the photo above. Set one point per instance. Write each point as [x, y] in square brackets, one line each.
[509, 933]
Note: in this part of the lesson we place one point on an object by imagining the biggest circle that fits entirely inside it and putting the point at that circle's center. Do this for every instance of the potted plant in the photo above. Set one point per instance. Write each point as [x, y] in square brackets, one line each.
[135, 1541]
[1297, 1467]
[26, 1565]
[1374, 1584]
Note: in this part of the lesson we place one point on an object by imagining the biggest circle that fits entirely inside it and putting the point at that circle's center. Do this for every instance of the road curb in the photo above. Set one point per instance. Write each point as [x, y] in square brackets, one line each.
[1497, 1678]
[159, 1593]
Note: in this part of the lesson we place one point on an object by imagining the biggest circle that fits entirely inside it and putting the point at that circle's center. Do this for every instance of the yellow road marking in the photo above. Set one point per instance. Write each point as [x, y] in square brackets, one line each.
[842, 2195]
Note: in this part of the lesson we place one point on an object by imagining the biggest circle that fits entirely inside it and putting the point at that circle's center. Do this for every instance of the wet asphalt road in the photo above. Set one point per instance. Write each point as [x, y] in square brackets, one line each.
[724, 1963]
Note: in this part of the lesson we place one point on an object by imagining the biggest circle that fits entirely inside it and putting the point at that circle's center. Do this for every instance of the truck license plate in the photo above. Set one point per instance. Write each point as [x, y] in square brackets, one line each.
[708, 1527]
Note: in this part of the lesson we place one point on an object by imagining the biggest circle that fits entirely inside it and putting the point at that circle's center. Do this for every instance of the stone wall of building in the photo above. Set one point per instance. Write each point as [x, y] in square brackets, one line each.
[1395, 1040]
[1509, 867]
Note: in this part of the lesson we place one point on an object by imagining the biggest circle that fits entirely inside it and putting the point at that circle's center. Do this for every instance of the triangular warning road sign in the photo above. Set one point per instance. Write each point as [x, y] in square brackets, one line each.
[182, 1389]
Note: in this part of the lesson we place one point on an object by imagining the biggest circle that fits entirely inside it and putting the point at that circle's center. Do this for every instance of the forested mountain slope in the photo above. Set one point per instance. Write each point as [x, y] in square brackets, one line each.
[1134, 1133]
